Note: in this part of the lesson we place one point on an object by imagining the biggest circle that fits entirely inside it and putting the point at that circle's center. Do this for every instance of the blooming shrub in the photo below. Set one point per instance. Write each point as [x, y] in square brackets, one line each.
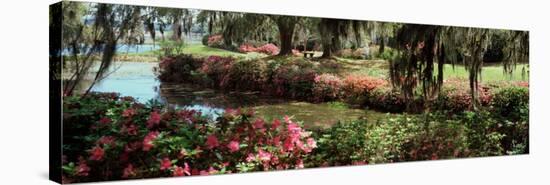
[326, 87]
[179, 69]
[245, 48]
[247, 75]
[215, 41]
[108, 137]
[387, 100]
[217, 69]
[457, 98]
[356, 87]
[294, 79]
[269, 49]
[141, 141]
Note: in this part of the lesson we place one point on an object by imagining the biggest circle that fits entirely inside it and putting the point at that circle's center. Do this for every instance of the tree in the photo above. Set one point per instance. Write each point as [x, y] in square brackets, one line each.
[97, 35]
[333, 31]
[421, 46]
[286, 25]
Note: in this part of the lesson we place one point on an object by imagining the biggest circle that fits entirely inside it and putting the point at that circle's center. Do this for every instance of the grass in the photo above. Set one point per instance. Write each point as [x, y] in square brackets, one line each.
[491, 73]
[202, 50]
[379, 68]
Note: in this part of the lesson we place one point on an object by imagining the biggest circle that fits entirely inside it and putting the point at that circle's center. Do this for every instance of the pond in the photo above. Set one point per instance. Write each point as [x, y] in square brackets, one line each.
[138, 80]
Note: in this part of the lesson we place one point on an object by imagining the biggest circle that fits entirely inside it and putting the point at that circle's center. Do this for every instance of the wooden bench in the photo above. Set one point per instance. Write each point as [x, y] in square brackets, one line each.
[310, 53]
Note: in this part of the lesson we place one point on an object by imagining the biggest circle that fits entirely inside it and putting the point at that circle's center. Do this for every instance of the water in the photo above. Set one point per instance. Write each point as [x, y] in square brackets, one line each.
[138, 80]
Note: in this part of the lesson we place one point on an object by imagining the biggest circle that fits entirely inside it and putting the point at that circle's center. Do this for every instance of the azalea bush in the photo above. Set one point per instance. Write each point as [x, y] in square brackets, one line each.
[217, 68]
[215, 41]
[327, 87]
[248, 75]
[108, 137]
[293, 79]
[357, 87]
[180, 68]
[269, 48]
[457, 98]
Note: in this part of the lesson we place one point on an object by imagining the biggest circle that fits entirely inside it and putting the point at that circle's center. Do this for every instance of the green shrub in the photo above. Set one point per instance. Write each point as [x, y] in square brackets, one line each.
[342, 144]
[512, 103]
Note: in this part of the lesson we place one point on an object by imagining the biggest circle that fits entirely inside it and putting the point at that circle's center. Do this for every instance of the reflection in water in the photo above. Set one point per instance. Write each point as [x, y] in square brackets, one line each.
[138, 80]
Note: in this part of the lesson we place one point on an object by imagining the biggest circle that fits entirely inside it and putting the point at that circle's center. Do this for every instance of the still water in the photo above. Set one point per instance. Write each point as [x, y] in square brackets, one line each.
[137, 79]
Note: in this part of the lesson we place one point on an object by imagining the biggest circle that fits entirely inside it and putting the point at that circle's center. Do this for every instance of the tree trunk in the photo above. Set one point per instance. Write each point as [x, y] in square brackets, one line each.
[382, 46]
[286, 31]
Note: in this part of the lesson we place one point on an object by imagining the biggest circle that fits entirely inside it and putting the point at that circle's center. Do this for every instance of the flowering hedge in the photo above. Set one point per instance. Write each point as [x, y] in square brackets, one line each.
[109, 137]
[269, 49]
[304, 80]
[327, 87]
[215, 41]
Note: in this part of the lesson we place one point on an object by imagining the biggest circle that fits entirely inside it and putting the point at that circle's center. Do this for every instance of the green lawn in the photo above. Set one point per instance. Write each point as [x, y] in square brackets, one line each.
[379, 68]
[489, 73]
[202, 50]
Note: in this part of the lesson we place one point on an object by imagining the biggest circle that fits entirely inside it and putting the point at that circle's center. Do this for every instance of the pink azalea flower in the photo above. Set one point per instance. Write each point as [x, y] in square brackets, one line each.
[82, 168]
[165, 164]
[250, 158]
[105, 121]
[106, 140]
[276, 124]
[288, 145]
[128, 171]
[259, 124]
[154, 119]
[204, 172]
[128, 113]
[212, 141]
[263, 155]
[311, 143]
[148, 140]
[299, 164]
[233, 146]
[97, 153]
[179, 171]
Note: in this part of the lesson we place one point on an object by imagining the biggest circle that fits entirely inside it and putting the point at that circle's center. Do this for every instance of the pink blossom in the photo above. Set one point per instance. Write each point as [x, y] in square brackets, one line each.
[212, 141]
[106, 140]
[311, 142]
[299, 164]
[233, 146]
[276, 124]
[82, 169]
[250, 158]
[165, 164]
[148, 140]
[259, 124]
[97, 153]
[128, 171]
[128, 113]
[263, 155]
[154, 119]
[179, 171]
[105, 121]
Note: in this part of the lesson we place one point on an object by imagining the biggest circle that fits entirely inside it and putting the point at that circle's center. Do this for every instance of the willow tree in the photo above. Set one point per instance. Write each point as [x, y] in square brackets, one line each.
[422, 46]
[115, 23]
[84, 41]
